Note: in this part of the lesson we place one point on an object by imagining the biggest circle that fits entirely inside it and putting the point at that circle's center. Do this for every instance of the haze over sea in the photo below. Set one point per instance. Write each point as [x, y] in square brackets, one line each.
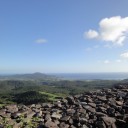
[93, 76]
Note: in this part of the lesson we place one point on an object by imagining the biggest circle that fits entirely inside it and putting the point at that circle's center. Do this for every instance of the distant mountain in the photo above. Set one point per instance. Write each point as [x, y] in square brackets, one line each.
[34, 76]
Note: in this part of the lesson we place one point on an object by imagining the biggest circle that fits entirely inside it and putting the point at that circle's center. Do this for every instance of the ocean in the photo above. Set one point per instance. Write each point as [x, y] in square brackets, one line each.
[92, 76]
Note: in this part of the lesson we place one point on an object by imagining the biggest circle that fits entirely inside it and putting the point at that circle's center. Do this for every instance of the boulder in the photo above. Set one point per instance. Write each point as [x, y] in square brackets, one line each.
[12, 108]
[109, 121]
[64, 125]
[70, 100]
[56, 115]
[50, 124]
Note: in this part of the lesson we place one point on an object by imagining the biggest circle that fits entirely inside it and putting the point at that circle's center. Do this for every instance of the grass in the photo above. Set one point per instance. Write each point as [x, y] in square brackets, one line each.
[51, 97]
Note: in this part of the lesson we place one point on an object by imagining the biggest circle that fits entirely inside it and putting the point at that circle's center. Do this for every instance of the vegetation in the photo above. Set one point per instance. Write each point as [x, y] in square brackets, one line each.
[30, 97]
[28, 91]
[37, 87]
[51, 96]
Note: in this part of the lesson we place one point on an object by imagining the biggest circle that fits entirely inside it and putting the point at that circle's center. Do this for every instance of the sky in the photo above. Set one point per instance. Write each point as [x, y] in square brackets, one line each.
[63, 36]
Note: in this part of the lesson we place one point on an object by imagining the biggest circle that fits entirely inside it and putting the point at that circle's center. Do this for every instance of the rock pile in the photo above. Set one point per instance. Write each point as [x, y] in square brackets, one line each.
[106, 108]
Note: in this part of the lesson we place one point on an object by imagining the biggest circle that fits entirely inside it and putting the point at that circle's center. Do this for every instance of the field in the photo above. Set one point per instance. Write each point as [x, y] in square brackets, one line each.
[28, 91]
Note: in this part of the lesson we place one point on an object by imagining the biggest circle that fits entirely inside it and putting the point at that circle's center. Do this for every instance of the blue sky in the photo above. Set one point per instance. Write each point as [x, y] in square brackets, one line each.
[63, 36]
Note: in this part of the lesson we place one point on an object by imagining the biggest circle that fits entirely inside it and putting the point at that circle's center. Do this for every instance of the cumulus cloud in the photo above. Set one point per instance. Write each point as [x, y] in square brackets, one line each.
[41, 41]
[106, 62]
[118, 61]
[124, 55]
[91, 34]
[113, 29]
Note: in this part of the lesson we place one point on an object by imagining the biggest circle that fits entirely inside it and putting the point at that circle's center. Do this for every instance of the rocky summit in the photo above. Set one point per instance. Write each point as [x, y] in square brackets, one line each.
[105, 108]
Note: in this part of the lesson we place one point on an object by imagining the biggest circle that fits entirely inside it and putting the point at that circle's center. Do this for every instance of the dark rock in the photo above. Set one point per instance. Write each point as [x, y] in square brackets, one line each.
[111, 111]
[15, 115]
[83, 111]
[47, 117]
[50, 124]
[83, 120]
[70, 121]
[70, 100]
[83, 103]
[47, 105]
[12, 108]
[89, 100]
[70, 111]
[109, 121]
[89, 109]
[38, 114]
[84, 126]
[100, 114]
[72, 126]
[2, 112]
[100, 124]
[106, 108]
[65, 118]
[92, 105]
[63, 125]
[103, 99]
[121, 123]
[56, 115]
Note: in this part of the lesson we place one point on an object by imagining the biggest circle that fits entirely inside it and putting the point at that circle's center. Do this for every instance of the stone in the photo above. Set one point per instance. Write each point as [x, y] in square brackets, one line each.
[90, 109]
[23, 107]
[72, 126]
[38, 114]
[100, 114]
[56, 116]
[3, 112]
[111, 111]
[83, 120]
[70, 111]
[38, 106]
[103, 99]
[96, 109]
[121, 123]
[63, 125]
[50, 124]
[15, 115]
[83, 103]
[109, 121]
[70, 100]
[84, 126]
[83, 111]
[12, 108]
[30, 114]
[89, 100]
[65, 118]
[92, 105]
[120, 103]
[47, 117]
[46, 105]
[100, 124]
[70, 121]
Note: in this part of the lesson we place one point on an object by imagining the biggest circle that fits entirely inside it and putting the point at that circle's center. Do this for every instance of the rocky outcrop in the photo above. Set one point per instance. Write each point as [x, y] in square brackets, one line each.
[107, 108]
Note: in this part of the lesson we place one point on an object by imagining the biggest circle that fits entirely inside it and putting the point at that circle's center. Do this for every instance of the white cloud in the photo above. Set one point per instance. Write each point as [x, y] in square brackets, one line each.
[113, 29]
[106, 62]
[118, 61]
[124, 55]
[41, 41]
[91, 34]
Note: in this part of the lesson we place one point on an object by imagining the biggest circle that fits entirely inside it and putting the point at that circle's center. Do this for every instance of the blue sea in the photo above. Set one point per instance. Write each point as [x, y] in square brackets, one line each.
[92, 76]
